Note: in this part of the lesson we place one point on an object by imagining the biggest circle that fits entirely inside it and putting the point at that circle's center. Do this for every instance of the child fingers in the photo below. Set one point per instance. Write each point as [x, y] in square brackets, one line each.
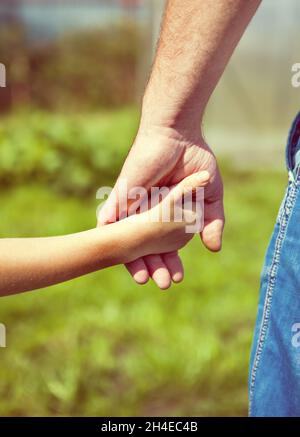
[190, 183]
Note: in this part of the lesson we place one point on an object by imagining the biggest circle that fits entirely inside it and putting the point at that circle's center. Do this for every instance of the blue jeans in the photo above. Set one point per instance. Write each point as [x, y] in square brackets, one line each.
[274, 379]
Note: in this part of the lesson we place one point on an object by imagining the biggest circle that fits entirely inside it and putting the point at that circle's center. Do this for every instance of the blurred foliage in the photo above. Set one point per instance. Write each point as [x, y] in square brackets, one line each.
[73, 153]
[86, 69]
[101, 345]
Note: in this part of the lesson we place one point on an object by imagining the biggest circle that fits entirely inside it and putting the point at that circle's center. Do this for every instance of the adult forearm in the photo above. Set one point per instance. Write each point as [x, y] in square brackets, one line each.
[197, 40]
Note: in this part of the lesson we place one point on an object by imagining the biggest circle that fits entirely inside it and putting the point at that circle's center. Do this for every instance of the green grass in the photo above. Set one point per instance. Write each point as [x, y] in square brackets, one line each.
[100, 345]
[73, 153]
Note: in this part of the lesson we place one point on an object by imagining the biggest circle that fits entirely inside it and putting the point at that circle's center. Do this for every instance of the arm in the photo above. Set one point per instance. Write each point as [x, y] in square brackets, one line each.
[197, 40]
[30, 263]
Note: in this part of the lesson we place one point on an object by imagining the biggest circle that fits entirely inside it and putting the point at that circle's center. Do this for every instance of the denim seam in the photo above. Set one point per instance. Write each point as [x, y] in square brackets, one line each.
[289, 203]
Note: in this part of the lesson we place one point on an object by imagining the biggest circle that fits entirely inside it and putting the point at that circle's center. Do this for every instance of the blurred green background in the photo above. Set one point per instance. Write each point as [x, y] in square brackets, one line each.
[100, 345]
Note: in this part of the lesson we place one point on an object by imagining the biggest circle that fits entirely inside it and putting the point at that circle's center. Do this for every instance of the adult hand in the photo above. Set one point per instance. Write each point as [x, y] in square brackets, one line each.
[196, 42]
[163, 156]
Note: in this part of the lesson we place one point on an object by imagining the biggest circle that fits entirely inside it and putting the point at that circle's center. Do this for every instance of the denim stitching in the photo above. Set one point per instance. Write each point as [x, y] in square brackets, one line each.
[290, 201]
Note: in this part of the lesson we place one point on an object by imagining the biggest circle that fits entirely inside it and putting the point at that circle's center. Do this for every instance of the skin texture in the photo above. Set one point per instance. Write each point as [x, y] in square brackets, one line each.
[197, 40]
[30, 263]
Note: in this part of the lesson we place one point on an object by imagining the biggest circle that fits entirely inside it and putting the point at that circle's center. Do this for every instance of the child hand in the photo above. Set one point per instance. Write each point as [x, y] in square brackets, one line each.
[172, 223]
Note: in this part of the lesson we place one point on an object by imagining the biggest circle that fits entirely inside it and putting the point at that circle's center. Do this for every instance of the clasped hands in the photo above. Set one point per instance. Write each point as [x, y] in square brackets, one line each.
[164, 157]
